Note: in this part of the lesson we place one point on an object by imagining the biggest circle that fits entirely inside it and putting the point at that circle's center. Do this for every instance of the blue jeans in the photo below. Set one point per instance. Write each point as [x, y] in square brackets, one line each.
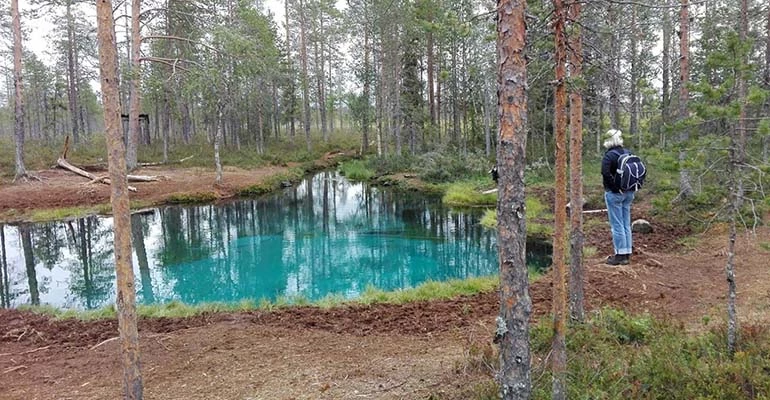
[619, 210]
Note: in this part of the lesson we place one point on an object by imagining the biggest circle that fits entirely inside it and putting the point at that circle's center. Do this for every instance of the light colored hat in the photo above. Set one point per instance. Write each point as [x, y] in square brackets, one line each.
[612, 138]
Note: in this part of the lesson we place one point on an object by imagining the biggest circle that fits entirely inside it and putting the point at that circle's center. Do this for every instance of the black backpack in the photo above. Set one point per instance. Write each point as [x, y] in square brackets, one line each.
[631, 171]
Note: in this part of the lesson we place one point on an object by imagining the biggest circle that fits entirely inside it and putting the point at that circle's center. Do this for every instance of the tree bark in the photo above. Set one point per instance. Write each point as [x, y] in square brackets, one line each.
[292, 96]
[166, 125]
[217, 141]
[577, 312]
[515, 305]
[126, 296]
[430, 68]
[303, 62]
[666, 73]
[767, 52]
[71, 80]
[321, 87]
[366, 94]
[133, 112]
[633, 128]
[737, 148]
[559, 303]
[685, 186]
[614, 78]
[18, 103]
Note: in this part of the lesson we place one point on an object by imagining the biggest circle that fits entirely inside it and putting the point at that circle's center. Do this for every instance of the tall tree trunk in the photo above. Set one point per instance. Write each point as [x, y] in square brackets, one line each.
[303, 61]
[766, 80]
[767, 52]
[633, 128]
[366, 94]
[126, 296]
[559, 301]
[292, 94]
[666, 101]
[71, 80]
[133, 112]
[321, 86]
[685, 186]
[737, 149]
[430, 67]
[487, 121]
[217, 141]
[276, 111]
[577, 312]
[18, 103]
[614, 72]
[166, 126]
[515, 305]
[455, 100]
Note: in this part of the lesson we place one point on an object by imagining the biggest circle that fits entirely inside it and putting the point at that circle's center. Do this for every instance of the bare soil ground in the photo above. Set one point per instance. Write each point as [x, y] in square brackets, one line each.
[60, 188]
[413, 351]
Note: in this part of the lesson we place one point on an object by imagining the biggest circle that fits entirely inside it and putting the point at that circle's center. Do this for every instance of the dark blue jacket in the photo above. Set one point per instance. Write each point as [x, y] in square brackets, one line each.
[610, 168]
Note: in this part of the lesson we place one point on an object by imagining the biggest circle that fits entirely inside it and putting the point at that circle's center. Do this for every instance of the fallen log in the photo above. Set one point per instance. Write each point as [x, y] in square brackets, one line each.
[62, 163]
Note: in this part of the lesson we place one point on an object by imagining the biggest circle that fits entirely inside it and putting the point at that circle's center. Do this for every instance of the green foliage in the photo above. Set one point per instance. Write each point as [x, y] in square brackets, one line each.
[445, 166]
[615, 355]
[391, 164]
[356, 170]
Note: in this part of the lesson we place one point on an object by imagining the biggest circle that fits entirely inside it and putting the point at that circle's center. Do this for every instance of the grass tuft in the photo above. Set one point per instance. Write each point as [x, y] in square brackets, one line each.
[356, 170]
[469, 194]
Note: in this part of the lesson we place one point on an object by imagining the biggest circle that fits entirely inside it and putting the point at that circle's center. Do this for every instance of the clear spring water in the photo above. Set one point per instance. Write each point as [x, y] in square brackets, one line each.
[325, 235]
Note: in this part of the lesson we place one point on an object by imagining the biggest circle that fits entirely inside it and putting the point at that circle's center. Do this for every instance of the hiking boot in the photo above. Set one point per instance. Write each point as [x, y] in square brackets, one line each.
[618, 259]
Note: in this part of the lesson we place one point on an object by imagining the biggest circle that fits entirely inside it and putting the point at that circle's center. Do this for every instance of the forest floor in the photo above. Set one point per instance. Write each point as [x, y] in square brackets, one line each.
[436, 349]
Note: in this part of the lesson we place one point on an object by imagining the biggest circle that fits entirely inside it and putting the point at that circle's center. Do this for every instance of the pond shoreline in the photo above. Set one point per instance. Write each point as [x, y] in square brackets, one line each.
[61, 196]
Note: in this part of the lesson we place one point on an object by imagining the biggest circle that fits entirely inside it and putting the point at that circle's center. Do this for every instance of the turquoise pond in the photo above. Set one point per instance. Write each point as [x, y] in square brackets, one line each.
[324, 236]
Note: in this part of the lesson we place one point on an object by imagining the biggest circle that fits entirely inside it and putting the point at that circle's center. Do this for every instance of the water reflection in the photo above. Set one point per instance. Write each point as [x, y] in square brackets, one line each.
[326, 235]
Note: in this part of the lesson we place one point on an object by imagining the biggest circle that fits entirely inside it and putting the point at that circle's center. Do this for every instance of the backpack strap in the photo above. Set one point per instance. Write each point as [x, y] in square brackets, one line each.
[620, 152]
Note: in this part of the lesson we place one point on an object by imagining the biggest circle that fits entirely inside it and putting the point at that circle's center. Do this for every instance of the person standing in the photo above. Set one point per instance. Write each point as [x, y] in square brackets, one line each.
[618, 201]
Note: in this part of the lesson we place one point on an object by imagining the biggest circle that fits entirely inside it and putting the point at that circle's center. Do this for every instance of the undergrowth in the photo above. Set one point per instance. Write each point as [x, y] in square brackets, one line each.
[615, 355]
